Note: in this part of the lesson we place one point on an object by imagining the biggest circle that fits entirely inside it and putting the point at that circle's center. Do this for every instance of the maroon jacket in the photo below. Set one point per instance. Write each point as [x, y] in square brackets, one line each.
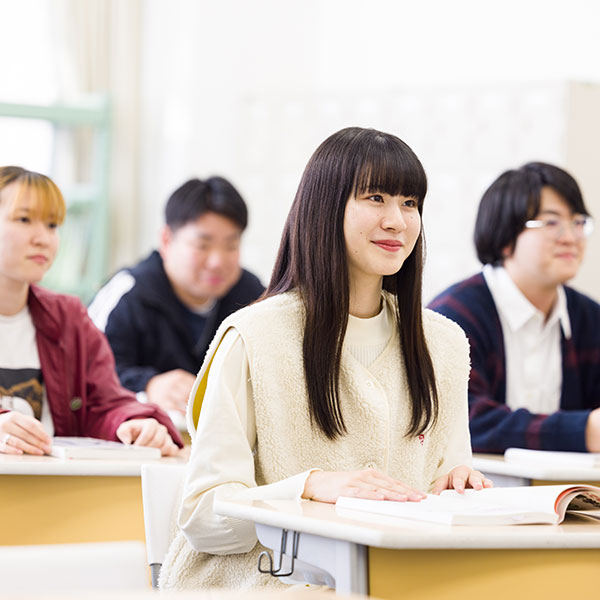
[78, 369]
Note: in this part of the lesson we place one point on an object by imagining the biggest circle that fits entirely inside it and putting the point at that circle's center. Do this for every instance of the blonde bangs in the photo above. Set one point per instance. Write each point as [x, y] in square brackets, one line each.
[46, 200]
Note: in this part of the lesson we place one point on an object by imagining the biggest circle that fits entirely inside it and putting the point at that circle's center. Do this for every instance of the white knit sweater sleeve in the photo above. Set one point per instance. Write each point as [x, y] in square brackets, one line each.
[221, 462]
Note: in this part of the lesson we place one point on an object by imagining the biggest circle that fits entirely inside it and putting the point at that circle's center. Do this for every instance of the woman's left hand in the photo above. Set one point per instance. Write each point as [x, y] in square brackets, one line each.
[460, 478]
[147, 432]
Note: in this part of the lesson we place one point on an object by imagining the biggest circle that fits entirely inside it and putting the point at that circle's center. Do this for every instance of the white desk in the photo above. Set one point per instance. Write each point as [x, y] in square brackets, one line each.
[391, 558]
[510, 474]
[47, 500]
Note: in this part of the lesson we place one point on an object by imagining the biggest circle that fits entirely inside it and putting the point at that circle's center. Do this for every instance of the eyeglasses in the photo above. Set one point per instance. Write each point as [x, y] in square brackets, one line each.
[554, 227]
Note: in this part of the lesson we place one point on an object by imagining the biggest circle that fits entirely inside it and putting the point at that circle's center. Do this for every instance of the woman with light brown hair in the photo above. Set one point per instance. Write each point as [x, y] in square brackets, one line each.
[57, 374]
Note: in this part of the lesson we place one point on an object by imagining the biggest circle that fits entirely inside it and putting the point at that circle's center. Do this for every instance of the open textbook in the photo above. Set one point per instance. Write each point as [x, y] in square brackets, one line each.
[491, 506]
[86, 447]
[552, 458]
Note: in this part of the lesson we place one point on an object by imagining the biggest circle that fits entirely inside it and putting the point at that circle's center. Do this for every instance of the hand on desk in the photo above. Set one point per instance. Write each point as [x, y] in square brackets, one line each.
[147, 432]
[171, 390]
[327, 486]
[460, 478]
[22, 434]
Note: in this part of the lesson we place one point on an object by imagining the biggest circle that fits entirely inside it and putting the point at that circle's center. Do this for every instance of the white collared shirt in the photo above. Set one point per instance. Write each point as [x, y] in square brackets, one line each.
[532, 344]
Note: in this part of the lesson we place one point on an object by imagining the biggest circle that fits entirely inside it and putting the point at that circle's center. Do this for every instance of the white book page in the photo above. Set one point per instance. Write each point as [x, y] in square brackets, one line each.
[588, 514]
[493, 505]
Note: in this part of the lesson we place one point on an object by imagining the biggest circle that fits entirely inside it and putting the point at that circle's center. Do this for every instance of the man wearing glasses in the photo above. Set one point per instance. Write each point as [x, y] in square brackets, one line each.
[535, 343]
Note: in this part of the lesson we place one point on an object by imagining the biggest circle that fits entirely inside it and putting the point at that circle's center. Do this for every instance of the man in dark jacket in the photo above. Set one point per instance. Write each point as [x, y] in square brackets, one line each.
[160, 315]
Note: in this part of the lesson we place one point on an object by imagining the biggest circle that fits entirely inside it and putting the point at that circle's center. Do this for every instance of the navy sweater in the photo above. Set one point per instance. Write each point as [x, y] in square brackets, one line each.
[494, 426]
[148, 328]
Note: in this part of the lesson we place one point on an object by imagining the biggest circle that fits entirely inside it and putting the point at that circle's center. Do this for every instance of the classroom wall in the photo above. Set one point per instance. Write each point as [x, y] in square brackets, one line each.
[582, 160]
[248, 90]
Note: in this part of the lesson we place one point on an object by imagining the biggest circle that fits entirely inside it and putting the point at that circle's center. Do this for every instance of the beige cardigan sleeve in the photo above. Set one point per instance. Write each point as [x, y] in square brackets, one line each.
[454, 393]
[222, 462]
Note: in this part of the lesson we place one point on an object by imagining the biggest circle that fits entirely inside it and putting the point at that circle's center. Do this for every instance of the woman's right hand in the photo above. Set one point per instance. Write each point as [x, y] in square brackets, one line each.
[327, 486]
[23, 434]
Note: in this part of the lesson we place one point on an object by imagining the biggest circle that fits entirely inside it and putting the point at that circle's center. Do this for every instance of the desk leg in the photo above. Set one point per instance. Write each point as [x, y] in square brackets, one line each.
[321, 560]
[351, 568]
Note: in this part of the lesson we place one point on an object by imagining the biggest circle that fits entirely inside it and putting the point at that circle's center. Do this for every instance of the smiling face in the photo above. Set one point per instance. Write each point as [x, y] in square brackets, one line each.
[380, 232]
[202, 258]
[28, 239]
[540, 258]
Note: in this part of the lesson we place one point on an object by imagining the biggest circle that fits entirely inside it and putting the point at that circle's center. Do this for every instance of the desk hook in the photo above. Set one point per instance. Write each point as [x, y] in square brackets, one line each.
[277, 572]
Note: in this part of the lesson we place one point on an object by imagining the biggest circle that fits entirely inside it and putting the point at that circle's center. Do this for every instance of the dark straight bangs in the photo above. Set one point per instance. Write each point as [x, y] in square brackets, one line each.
[391, 167]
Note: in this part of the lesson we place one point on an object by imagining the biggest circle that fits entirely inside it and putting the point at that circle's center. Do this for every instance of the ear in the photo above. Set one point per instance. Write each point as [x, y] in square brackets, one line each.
[507, 251]
[166, 237]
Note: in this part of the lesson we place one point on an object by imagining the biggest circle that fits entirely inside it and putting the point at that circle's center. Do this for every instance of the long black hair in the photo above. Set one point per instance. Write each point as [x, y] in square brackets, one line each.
[312, 260]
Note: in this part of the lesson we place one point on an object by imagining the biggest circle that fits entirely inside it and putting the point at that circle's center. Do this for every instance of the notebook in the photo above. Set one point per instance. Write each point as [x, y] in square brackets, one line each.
[93, 448]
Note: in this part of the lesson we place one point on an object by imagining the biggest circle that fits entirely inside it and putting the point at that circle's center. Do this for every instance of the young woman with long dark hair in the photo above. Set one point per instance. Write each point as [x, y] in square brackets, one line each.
[336, 382]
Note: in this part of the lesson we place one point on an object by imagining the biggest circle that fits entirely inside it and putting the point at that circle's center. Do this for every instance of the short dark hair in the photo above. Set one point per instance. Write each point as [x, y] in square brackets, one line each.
[513, 199]
[196, 198]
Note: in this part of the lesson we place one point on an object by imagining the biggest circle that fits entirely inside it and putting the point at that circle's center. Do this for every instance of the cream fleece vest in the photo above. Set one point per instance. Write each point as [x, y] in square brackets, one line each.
[375, 406]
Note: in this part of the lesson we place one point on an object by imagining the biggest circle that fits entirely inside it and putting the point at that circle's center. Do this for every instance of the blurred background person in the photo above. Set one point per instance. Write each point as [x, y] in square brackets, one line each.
[160, 315]
[535, 343]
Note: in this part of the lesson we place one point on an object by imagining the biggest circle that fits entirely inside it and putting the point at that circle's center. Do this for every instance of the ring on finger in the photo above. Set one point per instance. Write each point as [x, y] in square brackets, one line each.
[6, 439]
